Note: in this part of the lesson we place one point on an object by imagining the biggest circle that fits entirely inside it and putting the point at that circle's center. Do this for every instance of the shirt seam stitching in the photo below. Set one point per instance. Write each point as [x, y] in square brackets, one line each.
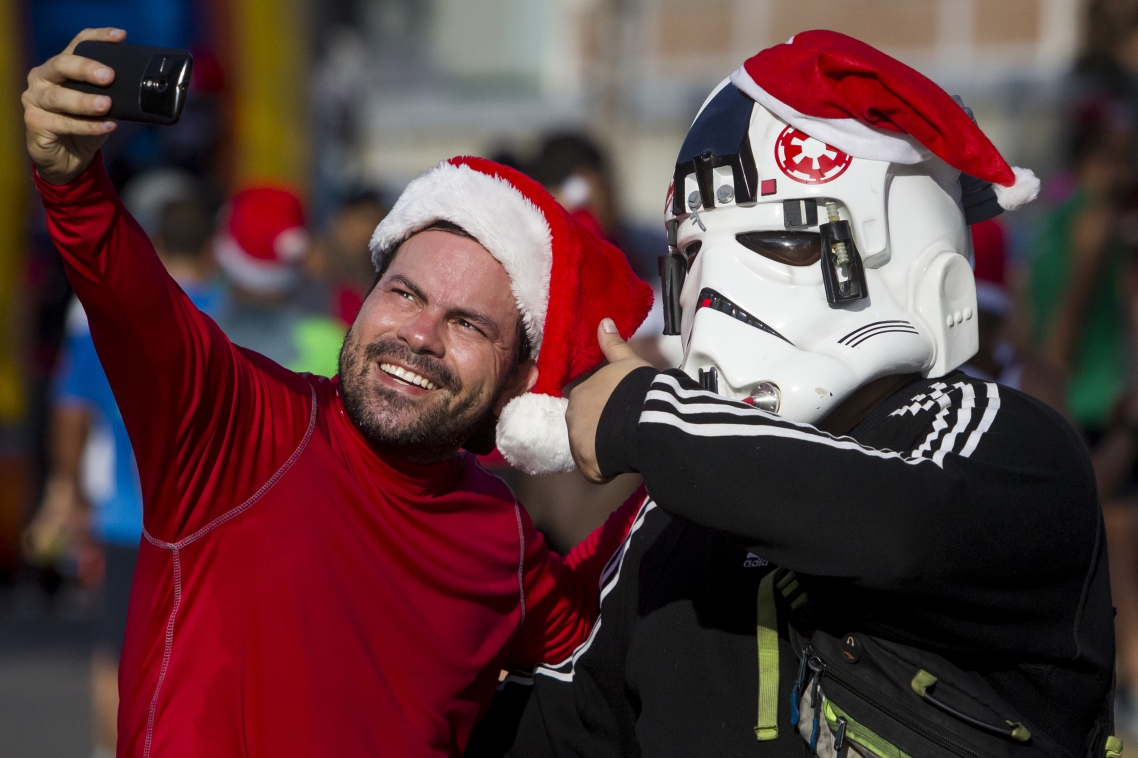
[175, 551]
[167, 649]
[521, 562]
[253, 499]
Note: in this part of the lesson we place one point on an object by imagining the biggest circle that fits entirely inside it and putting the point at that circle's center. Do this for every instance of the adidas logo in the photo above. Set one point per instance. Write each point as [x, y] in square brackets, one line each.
[754, 561]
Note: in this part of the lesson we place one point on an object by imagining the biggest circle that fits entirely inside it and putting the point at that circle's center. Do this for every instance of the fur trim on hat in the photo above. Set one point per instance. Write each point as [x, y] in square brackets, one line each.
[533, 436]
[249, 272]
[1025, 189]
[495, 213]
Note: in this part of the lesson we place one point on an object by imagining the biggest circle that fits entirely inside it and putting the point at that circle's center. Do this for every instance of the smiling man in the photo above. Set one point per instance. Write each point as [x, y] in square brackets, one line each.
[323, 570]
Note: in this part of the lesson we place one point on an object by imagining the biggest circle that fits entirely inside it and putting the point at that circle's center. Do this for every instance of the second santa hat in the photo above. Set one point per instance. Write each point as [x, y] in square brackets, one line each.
[564, 278]
[869, 105]
[262, 238]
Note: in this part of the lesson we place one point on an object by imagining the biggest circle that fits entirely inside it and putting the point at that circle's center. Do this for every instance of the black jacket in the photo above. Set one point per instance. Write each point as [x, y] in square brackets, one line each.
[960, 517]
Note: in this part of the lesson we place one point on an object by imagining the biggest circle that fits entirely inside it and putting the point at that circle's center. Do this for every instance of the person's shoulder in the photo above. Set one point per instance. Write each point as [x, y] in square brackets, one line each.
[979, 418]
[1013, 412]
[1023, 433]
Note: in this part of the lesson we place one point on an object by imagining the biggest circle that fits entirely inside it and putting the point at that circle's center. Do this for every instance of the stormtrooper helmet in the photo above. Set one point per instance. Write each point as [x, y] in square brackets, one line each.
[818, 227]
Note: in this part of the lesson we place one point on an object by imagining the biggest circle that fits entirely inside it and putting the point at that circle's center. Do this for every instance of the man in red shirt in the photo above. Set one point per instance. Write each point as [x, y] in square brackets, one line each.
[323, 570]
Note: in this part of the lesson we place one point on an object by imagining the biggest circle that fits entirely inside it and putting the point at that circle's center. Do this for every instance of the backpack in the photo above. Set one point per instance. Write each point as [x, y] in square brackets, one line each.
[876, 698]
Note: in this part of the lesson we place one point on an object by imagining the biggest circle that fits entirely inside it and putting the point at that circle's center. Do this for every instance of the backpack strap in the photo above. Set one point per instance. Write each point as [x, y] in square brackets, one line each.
[767, 637]
[778, 582]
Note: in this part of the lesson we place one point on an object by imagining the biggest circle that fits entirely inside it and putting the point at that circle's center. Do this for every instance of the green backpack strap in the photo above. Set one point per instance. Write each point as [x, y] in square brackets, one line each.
[778, 582]
[1113, 747]
[767, 636]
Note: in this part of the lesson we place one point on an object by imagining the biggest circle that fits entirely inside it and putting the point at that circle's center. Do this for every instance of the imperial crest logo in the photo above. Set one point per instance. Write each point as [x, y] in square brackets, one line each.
[807, 160]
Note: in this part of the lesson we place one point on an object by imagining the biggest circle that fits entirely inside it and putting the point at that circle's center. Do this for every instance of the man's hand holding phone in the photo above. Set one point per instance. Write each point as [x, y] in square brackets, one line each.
[65, 128]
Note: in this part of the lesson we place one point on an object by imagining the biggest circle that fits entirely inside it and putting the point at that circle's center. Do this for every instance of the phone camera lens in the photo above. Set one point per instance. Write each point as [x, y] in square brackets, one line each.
[162, 85]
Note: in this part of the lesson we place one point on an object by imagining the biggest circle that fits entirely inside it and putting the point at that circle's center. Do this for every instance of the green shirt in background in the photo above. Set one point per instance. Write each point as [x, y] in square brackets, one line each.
[289, 334]
[318, 340]
[1099, 360]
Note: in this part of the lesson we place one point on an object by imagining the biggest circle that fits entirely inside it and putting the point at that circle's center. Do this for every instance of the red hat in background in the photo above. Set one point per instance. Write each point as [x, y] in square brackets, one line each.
[989, 246]
[869, 105]
[564, 278]
[262, 239]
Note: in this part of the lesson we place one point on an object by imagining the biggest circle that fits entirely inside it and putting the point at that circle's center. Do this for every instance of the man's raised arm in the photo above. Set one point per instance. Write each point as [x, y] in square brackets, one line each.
[189, 398]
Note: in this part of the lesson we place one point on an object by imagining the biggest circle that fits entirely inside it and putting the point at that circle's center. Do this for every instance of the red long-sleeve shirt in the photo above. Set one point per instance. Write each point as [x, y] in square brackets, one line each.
[297, 593]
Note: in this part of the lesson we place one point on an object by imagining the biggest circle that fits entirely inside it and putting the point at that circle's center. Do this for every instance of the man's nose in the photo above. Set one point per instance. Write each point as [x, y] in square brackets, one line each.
[423, 332]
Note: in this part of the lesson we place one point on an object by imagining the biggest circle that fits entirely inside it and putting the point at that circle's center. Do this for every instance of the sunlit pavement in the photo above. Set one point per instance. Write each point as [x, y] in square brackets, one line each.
[44, 665]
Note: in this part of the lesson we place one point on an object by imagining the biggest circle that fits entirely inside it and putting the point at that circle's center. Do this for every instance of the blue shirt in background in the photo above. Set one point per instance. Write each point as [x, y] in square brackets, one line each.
[109, 474]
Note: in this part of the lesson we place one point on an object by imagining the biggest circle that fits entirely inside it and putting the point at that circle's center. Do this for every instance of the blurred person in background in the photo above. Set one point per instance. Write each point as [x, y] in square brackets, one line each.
[92, 503]
[576, 171]
[1077, 280]
[1079, 298]
[998, 358]
[339, 258]
[260, 248]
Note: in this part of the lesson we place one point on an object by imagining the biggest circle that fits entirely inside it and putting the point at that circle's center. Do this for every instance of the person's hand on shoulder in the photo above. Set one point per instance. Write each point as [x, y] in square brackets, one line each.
[65, 128]
[588, 399]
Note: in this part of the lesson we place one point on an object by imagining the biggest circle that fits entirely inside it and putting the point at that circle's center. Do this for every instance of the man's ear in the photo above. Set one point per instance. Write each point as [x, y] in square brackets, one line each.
[522, 381]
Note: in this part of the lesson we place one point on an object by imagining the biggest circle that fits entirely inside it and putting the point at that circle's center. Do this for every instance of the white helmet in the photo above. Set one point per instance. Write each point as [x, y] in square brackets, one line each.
[802, 269]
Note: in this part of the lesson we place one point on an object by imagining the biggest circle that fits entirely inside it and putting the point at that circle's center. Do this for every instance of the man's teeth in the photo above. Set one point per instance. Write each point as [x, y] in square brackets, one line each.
[408, 376]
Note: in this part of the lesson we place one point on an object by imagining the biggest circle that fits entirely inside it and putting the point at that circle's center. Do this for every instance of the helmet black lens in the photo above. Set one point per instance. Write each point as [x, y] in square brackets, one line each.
[791, 248]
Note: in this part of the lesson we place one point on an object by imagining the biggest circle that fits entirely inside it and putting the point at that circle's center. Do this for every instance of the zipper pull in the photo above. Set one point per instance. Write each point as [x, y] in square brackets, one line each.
[817, 667]
[840, 737]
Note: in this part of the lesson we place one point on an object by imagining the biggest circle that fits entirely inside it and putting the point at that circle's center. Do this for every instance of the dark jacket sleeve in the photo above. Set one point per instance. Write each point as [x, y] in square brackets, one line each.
[1006, 497]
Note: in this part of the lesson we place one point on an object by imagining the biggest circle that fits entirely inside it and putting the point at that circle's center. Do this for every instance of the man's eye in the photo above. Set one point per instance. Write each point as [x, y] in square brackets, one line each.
[791, 248]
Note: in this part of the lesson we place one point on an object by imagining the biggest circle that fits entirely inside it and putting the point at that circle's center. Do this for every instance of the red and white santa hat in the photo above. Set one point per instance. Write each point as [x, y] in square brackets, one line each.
[564, 278]
[262, 239]
[869, 105]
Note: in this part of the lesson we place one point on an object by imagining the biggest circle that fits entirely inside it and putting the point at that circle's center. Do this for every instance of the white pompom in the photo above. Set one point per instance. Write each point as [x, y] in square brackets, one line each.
[1025, 189]
[532, 434]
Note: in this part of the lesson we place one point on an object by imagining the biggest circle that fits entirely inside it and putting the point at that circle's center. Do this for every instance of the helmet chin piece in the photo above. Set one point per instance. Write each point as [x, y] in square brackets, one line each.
[749, 365]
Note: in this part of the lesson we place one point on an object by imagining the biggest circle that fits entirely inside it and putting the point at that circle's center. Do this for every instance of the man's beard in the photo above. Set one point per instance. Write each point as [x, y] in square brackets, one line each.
[425, 429]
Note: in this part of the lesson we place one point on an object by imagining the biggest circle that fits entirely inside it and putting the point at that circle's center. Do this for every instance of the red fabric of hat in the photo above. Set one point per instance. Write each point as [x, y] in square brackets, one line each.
[565, 280]
[263, 237]
[869, 105]
[258, 215]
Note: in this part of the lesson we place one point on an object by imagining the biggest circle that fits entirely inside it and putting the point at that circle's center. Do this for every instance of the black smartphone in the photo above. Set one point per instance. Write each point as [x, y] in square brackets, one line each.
[150, 82]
